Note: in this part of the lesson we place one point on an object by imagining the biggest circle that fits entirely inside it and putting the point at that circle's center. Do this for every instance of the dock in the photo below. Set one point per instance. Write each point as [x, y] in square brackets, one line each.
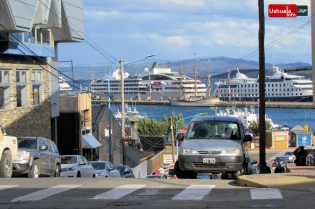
[302, 105]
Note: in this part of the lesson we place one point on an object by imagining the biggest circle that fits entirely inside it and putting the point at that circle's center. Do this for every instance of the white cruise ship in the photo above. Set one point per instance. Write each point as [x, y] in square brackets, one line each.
[279, 87]
[156, 84]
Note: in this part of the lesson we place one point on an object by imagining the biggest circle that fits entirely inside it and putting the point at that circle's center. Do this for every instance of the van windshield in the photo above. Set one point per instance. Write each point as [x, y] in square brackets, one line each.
[213, 130]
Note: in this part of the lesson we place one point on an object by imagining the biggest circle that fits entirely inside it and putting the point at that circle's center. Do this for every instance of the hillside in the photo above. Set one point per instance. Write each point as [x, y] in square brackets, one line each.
[218, 68]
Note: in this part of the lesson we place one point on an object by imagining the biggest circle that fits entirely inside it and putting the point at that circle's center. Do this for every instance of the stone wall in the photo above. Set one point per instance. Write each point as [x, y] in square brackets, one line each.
[29, 120]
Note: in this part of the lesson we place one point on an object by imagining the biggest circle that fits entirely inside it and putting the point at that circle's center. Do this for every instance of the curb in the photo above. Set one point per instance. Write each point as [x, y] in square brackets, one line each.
[293, 181]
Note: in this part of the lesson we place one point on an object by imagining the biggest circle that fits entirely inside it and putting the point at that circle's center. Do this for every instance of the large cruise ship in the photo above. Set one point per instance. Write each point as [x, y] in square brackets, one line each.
[156, 84]
[279, 87]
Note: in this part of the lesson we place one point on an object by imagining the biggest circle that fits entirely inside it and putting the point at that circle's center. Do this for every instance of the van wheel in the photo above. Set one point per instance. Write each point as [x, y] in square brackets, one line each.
[57, 171]
[241, 172]
[6, 166]
[184, 174]
[34, 172]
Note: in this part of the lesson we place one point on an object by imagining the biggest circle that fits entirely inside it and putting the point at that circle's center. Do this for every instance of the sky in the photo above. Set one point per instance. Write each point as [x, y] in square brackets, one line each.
[182, 29]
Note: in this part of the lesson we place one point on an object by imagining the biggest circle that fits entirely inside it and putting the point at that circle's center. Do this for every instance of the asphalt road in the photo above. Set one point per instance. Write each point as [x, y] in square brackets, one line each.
[144, 193]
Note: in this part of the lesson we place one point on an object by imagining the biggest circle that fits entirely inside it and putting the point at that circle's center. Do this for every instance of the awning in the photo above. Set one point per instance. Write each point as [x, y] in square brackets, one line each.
[89, 142]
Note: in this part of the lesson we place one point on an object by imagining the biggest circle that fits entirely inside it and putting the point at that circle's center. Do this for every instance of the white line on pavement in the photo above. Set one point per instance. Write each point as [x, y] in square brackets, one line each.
[45, 193]
[194, 192]
[118, 192]
[2, 187]
[265, 193]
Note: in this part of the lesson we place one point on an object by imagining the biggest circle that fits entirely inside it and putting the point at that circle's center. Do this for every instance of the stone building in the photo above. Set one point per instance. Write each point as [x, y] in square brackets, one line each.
[29, 78]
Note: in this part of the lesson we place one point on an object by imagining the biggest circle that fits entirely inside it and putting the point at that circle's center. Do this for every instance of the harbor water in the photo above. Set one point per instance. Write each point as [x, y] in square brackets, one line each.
[281, 116]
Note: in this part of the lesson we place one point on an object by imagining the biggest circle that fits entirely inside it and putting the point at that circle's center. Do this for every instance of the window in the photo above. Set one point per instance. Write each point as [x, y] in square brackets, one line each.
[21, 88]
[4, 89]
[37, 87]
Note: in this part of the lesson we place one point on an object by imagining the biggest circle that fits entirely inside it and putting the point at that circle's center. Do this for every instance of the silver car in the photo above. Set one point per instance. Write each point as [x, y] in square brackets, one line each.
[104, 169]
[76, 166]
[37, 156]
[213, 144]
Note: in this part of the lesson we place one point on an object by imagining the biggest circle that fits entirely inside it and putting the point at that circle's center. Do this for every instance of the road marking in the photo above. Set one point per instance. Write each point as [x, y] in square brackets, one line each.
[118, 192]
[45, 193]
[265, 193]
[194, 192]
[2, 187]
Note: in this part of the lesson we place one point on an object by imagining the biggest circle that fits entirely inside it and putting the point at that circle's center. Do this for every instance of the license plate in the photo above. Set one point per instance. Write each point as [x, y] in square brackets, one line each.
[209, 160]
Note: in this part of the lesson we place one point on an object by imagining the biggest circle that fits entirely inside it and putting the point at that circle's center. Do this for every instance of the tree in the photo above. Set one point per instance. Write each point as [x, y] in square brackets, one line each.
[254, 127]
[152, 127]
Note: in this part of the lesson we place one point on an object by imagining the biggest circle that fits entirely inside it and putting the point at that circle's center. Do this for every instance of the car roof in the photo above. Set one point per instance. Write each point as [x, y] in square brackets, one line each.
[218, 118]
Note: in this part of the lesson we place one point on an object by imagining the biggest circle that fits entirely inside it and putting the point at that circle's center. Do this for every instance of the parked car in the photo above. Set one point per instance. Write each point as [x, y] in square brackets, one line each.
[310, 161]
[171, 172]
[37, 156]
[255, 168]
[165, 166]
[76, 166]
[103, 169]
[290, 155]
[281, 160]
[125, 171]
[155, 176]
[213, 144]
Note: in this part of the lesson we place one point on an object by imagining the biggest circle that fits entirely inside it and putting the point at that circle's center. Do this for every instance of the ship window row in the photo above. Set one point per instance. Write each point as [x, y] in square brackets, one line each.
[267, 90]
[254, 85]
[18, 82]
[256, 95]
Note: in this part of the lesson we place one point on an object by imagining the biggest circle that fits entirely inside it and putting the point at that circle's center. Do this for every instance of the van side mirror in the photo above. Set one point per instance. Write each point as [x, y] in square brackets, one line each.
[180, 137]
[248, 138]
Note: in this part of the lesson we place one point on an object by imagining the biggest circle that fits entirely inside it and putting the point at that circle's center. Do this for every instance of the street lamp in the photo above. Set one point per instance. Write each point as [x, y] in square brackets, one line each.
[108, 89]
[176, 130]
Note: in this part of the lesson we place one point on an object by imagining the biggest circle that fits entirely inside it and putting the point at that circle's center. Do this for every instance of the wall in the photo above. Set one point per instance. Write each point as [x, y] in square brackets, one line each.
[30, 120]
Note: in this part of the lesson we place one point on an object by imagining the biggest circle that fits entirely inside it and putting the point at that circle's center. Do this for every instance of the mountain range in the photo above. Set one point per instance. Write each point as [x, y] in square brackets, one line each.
[218, 68]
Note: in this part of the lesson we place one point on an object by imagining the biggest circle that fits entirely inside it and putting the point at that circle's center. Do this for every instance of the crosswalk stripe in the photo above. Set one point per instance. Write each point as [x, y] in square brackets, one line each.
[194, 192]
[118, 192]
[45, 193]
[2, 187]
[265, 193]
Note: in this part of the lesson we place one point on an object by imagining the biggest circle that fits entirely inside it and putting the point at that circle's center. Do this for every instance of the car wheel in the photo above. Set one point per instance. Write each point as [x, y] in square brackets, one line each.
[6, 166]
[78, 174]
[34, 172]
[241, 172]
[57, 171]
[184, 174]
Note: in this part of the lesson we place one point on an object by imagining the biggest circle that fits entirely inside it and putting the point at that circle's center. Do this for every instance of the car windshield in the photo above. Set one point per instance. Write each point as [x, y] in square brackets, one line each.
[98, 165]
[120, 169]
[288, 153]
[278, 159]
[213, 130]
[68, 159]
[28, 143]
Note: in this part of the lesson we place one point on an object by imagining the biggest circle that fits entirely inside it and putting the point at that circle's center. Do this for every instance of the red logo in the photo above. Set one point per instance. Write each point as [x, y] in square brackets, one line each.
[282, 10]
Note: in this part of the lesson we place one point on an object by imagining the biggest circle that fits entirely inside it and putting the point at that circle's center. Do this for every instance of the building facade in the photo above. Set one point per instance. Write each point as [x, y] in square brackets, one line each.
[30, 32]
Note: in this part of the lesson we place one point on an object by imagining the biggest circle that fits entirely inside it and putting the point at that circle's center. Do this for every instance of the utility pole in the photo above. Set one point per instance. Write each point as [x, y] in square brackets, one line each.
[172, 135]
[229, 84]
[121, 62]
[262, 123]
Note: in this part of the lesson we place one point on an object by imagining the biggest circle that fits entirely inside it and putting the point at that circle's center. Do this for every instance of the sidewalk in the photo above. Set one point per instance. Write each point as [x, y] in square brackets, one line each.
[300, 178]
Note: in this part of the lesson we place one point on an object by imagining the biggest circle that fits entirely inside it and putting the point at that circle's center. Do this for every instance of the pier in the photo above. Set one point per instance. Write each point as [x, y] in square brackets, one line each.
[302, 105]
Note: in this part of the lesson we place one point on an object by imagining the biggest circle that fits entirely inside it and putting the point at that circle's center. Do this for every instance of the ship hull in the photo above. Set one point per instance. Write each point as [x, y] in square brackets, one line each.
[212, 102]
[271, 99]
